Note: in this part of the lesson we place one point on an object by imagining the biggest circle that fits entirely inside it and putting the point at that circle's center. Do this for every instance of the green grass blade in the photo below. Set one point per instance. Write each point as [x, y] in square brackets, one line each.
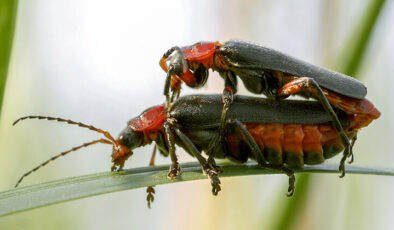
[33, 196]
[358, 41]
[8, 10]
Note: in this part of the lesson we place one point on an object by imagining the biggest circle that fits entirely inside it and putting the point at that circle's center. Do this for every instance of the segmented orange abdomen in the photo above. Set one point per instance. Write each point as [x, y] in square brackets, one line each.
[296, 144]
[353, 106]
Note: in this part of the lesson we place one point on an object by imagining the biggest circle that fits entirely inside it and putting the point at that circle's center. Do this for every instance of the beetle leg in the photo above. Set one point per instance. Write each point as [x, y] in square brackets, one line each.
[175, 167]
[354, 139]
[260, 157]
[153, 157]
[167, 88]
[289, 173]
[207, 169]
[150, 190]
[295, 86]
[250, 141]
[213, 165]
[175, 68]
[150, 197]
[227, 99]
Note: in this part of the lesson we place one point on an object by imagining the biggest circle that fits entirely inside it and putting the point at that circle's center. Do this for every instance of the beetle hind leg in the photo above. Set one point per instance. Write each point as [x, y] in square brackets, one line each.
[255, 149]
[295, 86]
[289, 172]
[346, 154]
[351, 152]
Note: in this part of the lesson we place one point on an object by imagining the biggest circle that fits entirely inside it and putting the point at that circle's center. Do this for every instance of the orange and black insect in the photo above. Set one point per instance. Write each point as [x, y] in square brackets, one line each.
[265, 71]
[278, 135]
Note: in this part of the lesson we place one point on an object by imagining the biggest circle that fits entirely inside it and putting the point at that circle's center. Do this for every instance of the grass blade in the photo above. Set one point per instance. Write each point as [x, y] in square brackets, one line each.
[8, 9]
[33, 196]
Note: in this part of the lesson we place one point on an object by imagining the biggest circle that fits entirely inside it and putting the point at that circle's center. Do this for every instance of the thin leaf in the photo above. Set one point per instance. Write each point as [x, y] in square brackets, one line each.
[33, 196]
[8, 10]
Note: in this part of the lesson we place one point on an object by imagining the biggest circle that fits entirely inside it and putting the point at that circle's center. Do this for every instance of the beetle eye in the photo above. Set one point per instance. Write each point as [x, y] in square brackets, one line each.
[177, 64]
[201, 76]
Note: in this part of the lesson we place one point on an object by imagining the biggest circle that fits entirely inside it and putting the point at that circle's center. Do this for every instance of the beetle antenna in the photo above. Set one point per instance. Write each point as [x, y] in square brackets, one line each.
[104, 141]
[106, 134]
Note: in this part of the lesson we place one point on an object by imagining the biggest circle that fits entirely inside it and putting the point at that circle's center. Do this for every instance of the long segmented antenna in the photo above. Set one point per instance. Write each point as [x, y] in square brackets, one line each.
[104, 141]
[106, 134]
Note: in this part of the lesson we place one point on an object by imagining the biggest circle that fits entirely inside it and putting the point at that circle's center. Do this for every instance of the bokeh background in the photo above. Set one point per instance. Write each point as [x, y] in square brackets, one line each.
[97, 62]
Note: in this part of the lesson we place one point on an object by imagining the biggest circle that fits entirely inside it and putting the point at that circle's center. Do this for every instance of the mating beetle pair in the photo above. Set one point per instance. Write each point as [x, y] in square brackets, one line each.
[269, 72]
[280, 135]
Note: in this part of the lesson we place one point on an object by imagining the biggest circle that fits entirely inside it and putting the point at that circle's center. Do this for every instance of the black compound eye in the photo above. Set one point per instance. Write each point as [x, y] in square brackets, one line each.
[201, 75]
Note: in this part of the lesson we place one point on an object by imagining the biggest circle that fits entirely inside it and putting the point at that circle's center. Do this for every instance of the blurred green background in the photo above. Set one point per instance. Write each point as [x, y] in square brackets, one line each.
[97, 62]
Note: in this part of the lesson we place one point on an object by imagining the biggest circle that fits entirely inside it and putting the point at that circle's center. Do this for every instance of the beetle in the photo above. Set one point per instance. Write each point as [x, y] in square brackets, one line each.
[257, 128]
[263, 71]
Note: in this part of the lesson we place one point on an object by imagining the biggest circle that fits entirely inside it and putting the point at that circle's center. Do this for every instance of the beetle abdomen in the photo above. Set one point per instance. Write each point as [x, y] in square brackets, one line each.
[293, 144]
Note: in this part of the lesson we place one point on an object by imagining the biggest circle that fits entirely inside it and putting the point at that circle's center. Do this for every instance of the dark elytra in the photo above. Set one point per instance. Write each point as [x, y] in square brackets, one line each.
[245, 55]
[195, 111]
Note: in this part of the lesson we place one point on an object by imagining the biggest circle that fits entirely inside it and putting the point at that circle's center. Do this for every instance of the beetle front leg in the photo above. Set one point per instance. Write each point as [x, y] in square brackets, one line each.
[175, 167]
[207, 169]
[298, 84]
[255, 149]
[175, 68]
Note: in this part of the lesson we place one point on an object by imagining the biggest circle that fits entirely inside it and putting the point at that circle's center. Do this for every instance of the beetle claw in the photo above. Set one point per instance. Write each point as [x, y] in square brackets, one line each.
[351, 158]
[342, 170]
[291, 188]
[215, 181]
[174, 171]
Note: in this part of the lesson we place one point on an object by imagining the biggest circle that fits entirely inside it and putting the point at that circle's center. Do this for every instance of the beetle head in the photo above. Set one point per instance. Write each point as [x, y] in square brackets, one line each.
[128, 140]
[140, 131]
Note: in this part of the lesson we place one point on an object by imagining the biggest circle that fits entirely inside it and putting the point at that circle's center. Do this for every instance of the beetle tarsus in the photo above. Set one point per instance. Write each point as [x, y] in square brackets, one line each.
[150, 197]
[351, 149]
[213, 165]
[289, 173]
[342, 164]
[346, 154]
[351, 158]
[174, 171]
[291, 188]
[215, 181]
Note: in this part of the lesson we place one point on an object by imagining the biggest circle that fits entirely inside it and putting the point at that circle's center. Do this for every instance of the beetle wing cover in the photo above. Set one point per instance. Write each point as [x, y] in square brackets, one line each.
[204, 111]
[241, 54]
